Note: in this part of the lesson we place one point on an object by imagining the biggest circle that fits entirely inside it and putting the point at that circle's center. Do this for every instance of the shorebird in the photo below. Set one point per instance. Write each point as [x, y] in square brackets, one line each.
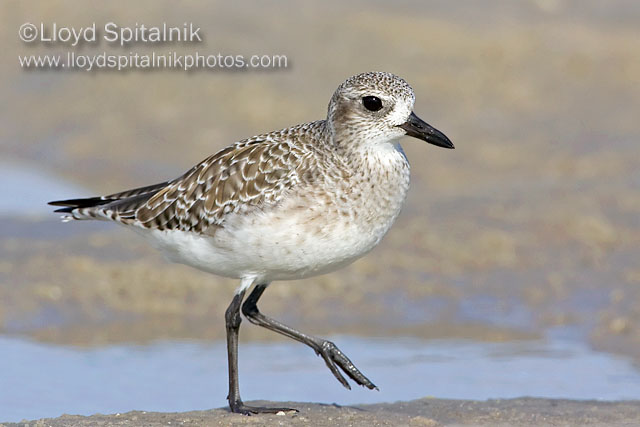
[288, 204]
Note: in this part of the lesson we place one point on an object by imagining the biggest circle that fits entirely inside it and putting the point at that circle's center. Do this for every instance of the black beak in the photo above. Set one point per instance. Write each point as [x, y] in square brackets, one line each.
[417, 128]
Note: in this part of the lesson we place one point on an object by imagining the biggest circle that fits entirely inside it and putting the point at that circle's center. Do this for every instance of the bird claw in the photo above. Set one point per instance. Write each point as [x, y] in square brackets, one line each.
[239, 407]
[335, 358]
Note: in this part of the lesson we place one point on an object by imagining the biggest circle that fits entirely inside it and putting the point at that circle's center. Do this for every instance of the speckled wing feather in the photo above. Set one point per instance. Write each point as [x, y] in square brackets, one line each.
[86, 206]
[251, 174]
[247, 175]
[136, 192]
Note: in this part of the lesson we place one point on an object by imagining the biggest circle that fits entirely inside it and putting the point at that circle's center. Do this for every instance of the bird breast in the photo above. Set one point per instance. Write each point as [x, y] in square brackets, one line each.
[316, 229]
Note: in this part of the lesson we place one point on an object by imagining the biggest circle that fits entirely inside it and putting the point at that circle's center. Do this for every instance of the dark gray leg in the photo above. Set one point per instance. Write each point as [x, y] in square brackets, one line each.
[333, 357]
[233, 320]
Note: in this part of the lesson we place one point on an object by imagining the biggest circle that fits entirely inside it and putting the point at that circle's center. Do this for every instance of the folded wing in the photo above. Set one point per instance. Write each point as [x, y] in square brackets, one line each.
[251, 174]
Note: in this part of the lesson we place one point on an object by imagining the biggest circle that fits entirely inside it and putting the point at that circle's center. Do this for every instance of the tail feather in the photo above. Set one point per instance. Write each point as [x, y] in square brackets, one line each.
[85, 208]
[71, 204]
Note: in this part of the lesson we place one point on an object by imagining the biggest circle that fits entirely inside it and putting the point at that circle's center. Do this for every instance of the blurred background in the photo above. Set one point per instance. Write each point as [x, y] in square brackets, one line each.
[528, 234]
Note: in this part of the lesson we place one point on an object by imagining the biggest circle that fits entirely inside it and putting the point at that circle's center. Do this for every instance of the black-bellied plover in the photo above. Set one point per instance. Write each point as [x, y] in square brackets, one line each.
[284, 205]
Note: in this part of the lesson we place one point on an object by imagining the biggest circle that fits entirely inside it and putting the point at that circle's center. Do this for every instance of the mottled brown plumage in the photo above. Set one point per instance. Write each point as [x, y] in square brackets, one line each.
[250, 174]
[289, 204]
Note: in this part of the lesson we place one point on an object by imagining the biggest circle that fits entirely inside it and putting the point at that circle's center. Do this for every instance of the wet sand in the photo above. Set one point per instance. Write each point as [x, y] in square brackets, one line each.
[530, 225]
[423, 412]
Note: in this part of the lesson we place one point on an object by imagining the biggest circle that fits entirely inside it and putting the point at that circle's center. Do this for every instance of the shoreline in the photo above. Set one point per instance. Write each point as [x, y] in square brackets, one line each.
[524, 411]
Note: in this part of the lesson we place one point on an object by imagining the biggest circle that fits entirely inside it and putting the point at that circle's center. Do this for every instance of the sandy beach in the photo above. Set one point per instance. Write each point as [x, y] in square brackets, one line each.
[417, 413]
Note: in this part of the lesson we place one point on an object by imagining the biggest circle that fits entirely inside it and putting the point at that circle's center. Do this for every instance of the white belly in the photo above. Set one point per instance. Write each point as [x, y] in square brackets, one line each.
[272, 248]
[310, 233]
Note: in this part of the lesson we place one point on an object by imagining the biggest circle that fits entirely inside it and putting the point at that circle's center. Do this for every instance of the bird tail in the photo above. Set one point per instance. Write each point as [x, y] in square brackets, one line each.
[95, 207]
[80, 208]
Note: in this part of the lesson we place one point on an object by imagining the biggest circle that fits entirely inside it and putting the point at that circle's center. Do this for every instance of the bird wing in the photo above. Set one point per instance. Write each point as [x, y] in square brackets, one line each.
[244, 176]
[70, 205]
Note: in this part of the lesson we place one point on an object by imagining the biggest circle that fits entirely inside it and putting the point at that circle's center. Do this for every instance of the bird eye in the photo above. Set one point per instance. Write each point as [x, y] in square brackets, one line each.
[372, 103]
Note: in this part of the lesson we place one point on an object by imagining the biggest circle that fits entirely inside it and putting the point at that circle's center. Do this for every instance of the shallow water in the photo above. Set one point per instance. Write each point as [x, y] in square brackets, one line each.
[25, 190]
[41, 380]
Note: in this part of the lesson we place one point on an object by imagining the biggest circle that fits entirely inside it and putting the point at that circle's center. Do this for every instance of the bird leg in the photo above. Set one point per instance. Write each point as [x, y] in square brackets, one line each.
[333, 357]
[233, 320]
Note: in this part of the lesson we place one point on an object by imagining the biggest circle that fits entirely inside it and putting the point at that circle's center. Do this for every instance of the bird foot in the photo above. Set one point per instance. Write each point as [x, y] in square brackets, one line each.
[238, 407]
[335, 358]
